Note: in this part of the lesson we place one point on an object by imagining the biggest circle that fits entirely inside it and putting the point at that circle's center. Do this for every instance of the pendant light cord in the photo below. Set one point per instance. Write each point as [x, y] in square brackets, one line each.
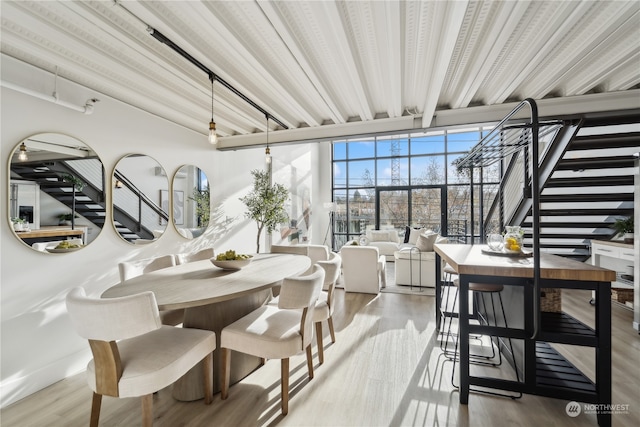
[212, 80]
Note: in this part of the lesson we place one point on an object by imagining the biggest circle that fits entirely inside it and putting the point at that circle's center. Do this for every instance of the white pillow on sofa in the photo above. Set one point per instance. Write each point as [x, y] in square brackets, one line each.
[425, 242]
[382, 236]
[413, 235]
[379, 236]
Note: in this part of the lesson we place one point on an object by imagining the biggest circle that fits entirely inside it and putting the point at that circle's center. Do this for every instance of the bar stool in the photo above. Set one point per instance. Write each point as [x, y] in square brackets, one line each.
[449, 275]
[477, 296]
[479, 292]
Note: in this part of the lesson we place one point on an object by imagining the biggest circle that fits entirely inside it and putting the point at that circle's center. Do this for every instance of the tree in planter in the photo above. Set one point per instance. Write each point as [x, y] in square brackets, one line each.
[265, 203]
[203, 206]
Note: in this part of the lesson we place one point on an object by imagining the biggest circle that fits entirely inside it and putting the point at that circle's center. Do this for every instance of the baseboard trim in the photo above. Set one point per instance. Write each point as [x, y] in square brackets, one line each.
[14, 389]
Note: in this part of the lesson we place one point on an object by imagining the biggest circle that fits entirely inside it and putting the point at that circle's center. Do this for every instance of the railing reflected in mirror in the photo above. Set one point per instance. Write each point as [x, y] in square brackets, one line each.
[56, 193]
[190, 201]
[140, 201]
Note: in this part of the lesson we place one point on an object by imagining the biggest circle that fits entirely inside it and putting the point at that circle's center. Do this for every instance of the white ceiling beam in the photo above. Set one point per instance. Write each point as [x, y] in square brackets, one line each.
[392, 55]
[628, 77]
[227, 52]
[316, 134]
[580, 41]
[551, 107]
[586, 81]
[352, 83]
[323, 102]
[503, 25]
[543, 42]
[453, 18]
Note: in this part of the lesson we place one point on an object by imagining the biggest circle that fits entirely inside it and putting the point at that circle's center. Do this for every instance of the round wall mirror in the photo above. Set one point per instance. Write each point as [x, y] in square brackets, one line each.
[56, 193]
[191, 204]
[140, 199]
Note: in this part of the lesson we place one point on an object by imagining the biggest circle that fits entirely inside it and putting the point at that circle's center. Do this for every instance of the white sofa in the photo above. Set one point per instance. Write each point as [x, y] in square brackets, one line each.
[415, 268]
[415, 261]
[387, 241]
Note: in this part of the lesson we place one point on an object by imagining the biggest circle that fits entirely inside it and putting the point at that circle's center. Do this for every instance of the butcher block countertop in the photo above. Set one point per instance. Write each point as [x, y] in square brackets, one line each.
[469, 259]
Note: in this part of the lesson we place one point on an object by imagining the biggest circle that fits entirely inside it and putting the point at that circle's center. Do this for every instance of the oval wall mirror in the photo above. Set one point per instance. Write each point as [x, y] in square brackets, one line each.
[191, 204]
[140, 199]
[56, 193]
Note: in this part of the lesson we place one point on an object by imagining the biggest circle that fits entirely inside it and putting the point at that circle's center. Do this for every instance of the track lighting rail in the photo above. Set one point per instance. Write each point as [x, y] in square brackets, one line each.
[212, 76]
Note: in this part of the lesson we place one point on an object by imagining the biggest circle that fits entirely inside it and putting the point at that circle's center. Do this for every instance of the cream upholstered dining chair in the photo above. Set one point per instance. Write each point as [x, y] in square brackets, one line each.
[130, 269]
[363, 268]
[318, 253]
[296, 250]
[326, 300]
[200, 255]
[276, 332]
[133, 353]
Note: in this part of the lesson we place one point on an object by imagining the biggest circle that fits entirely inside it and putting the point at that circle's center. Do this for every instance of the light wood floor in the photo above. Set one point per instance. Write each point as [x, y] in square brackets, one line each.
[385, 369]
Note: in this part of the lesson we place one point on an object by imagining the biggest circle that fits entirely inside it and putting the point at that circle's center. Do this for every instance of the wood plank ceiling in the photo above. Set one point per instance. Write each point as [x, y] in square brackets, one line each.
[329, 67]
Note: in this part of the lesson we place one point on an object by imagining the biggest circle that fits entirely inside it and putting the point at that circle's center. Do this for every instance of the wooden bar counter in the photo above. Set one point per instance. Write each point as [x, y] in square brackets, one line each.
[52, 231]
[546, 371]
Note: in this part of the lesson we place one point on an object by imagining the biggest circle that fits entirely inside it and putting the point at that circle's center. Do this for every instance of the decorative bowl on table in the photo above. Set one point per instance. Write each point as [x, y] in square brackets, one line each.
[229, 260]
[64, 246]
[63, 250]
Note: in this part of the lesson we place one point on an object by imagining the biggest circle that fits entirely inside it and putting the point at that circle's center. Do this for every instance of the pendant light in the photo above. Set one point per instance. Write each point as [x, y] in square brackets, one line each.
[267, 152]
[213, 137]
[22, 155]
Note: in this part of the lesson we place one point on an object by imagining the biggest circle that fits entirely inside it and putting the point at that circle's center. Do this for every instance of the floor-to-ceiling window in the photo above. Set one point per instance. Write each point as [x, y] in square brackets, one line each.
[392, 181]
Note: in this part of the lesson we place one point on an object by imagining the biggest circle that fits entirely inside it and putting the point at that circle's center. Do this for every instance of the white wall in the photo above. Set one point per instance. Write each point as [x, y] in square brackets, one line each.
[38, 344]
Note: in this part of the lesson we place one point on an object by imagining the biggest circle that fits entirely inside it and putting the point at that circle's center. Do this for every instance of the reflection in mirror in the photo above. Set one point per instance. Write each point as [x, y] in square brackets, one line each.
[56, 193]
[191, 206]
[140, 199]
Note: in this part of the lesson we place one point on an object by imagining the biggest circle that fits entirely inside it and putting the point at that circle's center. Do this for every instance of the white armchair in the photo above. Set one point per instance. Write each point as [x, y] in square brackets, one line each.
[364, 269]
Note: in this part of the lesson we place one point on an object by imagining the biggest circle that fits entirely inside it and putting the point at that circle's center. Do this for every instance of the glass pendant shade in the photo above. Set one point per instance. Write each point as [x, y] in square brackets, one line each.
[22, 156]
[213, 136]
[267, 153]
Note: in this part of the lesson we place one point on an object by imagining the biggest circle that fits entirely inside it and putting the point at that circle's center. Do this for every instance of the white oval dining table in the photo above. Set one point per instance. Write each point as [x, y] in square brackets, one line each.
[214, 298]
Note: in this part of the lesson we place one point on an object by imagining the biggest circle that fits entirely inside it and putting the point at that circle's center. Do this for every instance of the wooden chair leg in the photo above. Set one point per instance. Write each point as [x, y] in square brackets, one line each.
[310, 362]
[331, 331]
[226, 372]
[284, 385]
[96, 403]
[319, 340]
[208, 378]
[147, 410]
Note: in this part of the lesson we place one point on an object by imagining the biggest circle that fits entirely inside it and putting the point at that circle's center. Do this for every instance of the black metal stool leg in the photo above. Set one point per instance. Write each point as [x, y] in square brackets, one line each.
[480, 294]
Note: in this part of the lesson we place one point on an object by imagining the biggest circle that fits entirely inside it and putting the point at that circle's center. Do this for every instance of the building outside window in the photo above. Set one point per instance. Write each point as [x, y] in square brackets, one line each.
[394, 181]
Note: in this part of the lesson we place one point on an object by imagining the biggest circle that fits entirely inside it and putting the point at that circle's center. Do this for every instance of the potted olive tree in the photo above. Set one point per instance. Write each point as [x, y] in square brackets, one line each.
[265, 203]
[624, 227]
